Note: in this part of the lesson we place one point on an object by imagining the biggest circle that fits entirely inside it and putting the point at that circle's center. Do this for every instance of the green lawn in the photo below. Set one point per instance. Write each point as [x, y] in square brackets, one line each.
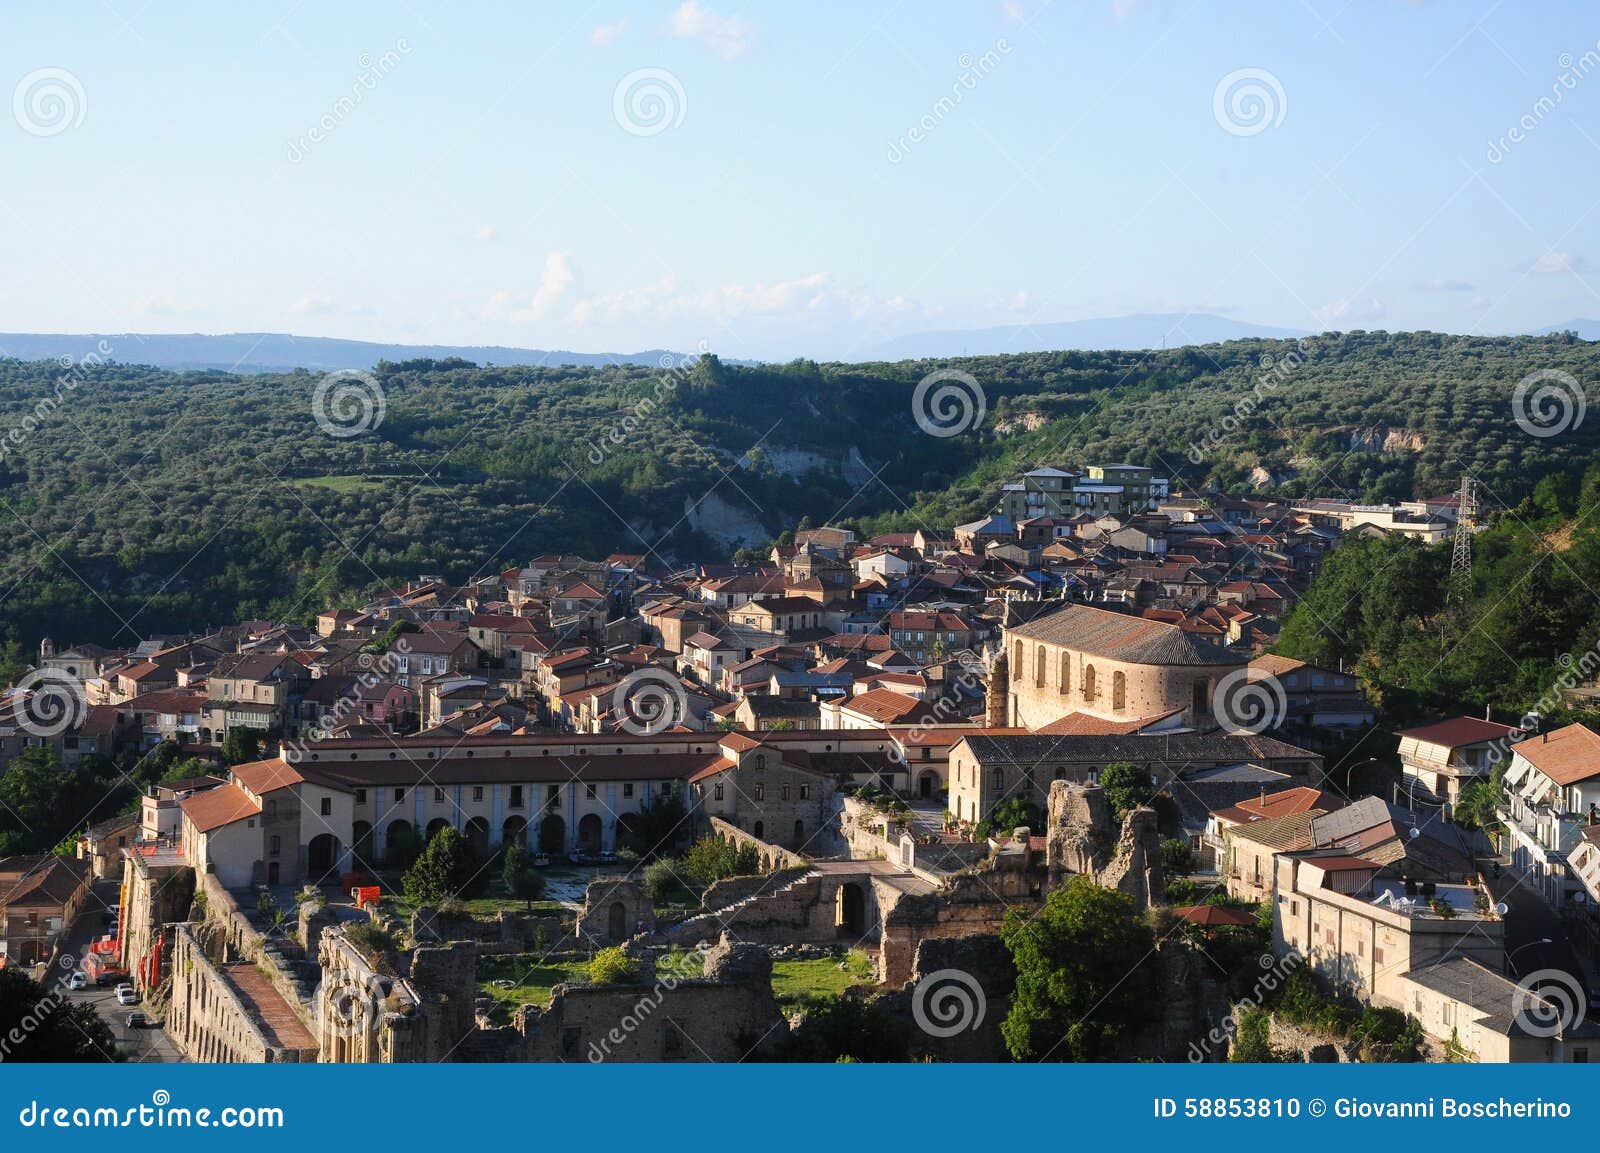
[532, 982]
[796, 982]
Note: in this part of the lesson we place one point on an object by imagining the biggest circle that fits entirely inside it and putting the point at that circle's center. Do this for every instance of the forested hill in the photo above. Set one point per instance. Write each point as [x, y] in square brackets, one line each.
[141, 500]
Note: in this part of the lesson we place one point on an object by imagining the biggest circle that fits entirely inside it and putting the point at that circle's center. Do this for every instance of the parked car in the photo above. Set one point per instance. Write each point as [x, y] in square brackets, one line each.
[137, 1020]
[77, 981]
[110, 977]
[126, 995]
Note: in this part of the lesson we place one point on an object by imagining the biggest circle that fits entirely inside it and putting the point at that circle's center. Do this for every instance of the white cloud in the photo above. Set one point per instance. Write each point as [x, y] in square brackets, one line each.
[727, 36]
[605, 35]
[553, 283]
[1553, 262]
[484, 233]
[1019, 302]
[1349, 313]
[812, 298]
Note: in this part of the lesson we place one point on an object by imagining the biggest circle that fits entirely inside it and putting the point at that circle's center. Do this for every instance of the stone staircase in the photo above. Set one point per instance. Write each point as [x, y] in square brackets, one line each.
[804, 890]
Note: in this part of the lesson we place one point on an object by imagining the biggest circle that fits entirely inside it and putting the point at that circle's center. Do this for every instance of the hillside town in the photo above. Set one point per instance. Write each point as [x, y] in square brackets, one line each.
[618, 809]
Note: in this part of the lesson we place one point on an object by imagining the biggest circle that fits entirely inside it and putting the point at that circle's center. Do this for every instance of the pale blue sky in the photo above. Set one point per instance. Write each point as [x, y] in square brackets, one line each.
[483, 191]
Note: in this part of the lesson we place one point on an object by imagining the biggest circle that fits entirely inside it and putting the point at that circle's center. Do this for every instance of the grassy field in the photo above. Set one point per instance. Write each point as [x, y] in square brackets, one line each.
[531, 982]
[796, 982]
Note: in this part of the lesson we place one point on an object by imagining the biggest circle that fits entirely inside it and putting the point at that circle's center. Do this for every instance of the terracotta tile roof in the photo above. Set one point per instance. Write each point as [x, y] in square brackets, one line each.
[886, 705]
[1280, 804]
[1566, 756]
[262, 777]
[217, 807]
[1086, 724]
[1456, 732]
[1123, 637]
[1275, 665]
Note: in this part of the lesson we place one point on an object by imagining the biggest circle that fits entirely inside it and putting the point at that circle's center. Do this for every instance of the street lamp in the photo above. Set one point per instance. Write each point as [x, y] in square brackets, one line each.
[1525, 945]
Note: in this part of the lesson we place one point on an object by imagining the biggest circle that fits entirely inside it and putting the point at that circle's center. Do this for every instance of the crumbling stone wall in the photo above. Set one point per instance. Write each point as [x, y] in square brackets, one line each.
[958, 993]
[1135, 867]
[726, 1015]
[208, 1020]
[1079, 836]
[1083, 838]
[615, 909]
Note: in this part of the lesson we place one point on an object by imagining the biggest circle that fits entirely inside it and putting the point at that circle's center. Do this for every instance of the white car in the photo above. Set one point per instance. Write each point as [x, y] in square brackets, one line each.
[126, 995]
[77, 981]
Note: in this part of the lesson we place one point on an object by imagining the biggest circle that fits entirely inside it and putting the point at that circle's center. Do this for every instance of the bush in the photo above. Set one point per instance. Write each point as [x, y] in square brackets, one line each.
[711, 859]
[1177, 859]
[660, 879]
[610, 967]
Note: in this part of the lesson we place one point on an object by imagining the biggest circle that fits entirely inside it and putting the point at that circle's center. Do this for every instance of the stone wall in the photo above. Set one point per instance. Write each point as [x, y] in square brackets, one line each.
[208, 1019]
[154, 897]
[615, 910]
[773, 856]
[726, 1015]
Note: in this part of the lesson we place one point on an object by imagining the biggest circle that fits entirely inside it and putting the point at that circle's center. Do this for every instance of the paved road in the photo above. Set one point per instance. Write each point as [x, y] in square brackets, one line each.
[1529, 922]
[133, 1044]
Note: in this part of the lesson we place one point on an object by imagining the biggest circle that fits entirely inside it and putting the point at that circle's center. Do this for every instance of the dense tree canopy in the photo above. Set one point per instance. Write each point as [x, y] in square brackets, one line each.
[146, 500]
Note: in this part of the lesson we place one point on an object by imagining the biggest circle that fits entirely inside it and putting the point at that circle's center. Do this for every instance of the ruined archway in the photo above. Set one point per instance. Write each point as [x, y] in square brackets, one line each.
[850, 910]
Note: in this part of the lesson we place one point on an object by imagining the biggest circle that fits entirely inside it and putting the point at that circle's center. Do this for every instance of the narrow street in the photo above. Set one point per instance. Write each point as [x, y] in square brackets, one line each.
[132, 1044]
[1535, 938]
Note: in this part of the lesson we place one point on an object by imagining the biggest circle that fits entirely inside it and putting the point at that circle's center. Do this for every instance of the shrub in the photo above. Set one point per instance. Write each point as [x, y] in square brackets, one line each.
[610, 967]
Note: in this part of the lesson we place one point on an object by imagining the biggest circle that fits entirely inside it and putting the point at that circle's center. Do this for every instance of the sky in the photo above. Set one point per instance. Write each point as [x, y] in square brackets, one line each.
[794, 180]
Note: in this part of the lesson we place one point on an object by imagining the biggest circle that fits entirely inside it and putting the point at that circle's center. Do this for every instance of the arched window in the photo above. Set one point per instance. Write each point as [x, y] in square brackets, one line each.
[1064, 675]
[1119, 691]
[1038, 667]
[1016, 658]
[1088, 681]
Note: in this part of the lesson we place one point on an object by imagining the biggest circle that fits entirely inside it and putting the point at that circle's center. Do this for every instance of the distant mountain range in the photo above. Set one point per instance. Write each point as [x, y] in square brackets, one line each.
[1140, 331]
[252, 352]
[1586, 329]
[262, 352]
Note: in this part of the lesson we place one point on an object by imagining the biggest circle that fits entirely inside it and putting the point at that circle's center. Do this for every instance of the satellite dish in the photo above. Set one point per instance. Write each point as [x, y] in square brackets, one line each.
[1579, 898]
[1415, 832]
[1502, 908]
